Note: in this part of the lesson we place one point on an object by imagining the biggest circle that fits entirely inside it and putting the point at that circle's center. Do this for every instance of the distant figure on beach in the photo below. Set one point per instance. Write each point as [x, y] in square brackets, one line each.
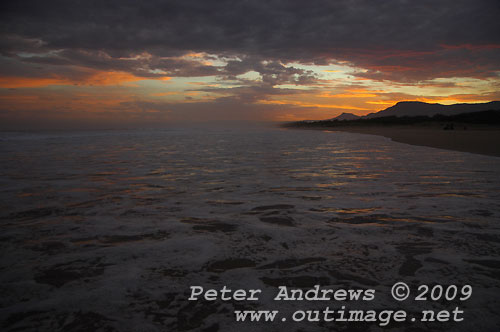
[449, 126]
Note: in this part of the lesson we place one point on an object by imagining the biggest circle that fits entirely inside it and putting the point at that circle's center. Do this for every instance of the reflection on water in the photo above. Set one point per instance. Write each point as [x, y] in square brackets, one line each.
[126, 221]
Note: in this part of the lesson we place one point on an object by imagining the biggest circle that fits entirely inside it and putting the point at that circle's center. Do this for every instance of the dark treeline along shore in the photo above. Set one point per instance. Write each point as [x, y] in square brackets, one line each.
[483, 118]
[466, 127]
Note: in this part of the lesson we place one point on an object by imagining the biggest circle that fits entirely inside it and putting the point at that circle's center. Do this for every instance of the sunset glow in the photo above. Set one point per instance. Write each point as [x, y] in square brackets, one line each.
[250, 165]
[43, 76]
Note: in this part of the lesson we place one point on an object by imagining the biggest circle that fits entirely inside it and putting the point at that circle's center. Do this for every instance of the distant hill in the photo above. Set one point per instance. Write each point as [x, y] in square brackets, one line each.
[346, 116]
[411, 113]
[416, 108]
[490, 117]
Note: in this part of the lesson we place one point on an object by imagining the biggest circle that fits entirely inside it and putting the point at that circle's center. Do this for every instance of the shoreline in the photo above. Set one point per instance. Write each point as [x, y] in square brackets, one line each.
[482, 141]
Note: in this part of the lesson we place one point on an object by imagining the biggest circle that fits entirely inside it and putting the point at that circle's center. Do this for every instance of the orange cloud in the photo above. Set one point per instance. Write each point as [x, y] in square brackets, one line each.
[23, 82]
[162, 94]
[93, 78]
[307, 104]
[382, 102]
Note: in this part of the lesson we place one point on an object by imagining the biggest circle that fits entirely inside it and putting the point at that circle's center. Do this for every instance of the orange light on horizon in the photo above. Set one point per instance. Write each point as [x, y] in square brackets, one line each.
[23, 82]
[94, 78]
[382, 102]
[313, 105]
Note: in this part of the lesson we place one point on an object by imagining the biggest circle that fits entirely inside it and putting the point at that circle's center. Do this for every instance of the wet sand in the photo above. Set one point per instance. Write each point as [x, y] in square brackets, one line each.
[108, 231]
[475, 140]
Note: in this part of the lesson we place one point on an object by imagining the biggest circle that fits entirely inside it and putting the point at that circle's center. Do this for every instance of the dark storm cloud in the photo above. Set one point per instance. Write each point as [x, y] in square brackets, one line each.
[369, 34]
[68, 63]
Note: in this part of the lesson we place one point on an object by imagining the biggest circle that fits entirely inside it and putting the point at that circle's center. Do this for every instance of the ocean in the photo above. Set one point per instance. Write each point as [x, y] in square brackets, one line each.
[109, 230]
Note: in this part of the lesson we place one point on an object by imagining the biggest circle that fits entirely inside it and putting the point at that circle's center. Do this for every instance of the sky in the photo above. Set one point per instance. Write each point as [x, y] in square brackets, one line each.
[138, 63]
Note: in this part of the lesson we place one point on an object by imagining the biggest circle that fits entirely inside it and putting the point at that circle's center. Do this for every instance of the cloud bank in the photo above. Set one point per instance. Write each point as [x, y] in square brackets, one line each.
[250, 49]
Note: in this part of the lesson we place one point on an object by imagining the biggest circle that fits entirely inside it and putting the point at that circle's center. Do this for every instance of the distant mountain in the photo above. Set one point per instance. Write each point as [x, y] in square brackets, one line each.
[482, 118]
[416, 108]
[346, 116]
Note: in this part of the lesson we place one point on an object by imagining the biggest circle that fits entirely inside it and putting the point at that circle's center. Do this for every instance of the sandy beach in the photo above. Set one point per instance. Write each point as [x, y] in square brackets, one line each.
[478, 140]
